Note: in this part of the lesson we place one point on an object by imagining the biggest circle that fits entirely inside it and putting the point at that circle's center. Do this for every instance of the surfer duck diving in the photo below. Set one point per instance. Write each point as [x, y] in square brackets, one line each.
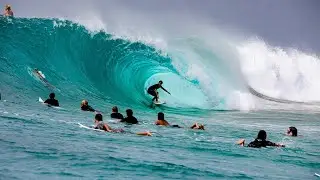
[152, 90]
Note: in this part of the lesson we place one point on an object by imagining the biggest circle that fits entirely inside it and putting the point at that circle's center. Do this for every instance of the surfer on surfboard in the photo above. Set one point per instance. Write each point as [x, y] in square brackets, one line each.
[152, 90]
[42, 77]
[52, 101]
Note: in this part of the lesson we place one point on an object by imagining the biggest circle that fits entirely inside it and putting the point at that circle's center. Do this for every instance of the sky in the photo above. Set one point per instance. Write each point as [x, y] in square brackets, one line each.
[286, 23]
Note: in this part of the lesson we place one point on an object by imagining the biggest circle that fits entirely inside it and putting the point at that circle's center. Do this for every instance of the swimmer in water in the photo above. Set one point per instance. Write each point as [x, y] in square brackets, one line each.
[152, 90]
[8, 11]
[197, 126]
[52, 101]
[115, 114]
[99, 124]
[85, 106]
[260, 141]
[162, 122]
[292, 131]
[130, 119]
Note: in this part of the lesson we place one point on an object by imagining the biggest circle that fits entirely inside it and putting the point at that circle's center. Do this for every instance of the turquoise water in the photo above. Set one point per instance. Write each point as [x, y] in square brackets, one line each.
[38, 142]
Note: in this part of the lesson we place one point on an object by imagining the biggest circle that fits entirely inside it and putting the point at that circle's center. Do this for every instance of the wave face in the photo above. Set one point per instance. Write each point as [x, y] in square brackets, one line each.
[200, 73]
[85, 64]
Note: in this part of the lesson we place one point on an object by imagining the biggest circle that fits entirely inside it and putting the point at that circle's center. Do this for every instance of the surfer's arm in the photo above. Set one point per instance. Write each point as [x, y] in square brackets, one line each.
[144, 133]
[241, 142]
[165, 90]
[274, 144]
[107, 128]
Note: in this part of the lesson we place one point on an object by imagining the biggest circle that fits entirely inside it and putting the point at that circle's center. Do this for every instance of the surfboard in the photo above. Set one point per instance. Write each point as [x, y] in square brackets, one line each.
[317, 174]
[159, 102]
[42, 101]
[90, 128]
[42, 74]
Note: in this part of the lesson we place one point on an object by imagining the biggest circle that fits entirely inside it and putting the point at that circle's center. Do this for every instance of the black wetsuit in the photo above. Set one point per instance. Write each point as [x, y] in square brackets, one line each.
[131, 120]
[87, 108]
[258, 143]
[151, 89]
[52, 102]
[116, 115]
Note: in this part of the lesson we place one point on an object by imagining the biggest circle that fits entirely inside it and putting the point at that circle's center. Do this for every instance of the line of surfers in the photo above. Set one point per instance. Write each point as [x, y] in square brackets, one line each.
[260, 140]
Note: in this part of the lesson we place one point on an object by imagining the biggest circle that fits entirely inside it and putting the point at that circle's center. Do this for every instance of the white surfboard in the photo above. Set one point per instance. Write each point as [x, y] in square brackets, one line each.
[42, 74]
[42, 101]
[87, 127]
[159, 102]
[317, 174]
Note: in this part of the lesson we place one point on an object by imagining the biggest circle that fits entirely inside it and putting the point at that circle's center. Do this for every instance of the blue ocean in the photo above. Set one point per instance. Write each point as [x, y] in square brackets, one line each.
[208, 81]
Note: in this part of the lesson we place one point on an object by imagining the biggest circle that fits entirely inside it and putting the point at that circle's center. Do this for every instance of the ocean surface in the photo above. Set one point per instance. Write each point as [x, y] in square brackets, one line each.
[208, 85]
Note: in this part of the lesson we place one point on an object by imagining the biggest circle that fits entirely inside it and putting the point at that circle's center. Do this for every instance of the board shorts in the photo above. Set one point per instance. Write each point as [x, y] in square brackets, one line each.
[152, 92]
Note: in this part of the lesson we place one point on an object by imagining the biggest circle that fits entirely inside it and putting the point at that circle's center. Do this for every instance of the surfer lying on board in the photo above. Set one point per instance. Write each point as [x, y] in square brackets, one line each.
[152, 90]
[52, 101]
[42, 77]
[99, 124]
[85, 106]
[260, 141]
[162, 122]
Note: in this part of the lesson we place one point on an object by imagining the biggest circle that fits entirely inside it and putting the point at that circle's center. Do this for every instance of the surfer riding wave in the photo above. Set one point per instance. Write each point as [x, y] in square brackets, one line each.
[152, 90]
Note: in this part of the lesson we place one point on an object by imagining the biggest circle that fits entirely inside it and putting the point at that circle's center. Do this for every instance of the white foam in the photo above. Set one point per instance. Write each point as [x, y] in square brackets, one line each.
[281, 73]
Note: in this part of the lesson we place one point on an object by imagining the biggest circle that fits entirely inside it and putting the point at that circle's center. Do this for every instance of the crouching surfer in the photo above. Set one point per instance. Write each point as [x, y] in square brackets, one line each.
[99, 124]
[152, 90]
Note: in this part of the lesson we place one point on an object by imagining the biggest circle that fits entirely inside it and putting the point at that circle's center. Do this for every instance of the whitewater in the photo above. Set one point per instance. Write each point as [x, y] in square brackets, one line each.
[234, 85]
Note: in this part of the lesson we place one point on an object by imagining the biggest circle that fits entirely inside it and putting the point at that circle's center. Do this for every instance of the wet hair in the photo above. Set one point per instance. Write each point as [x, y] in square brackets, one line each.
[160, 116]
[98, 117]
[160, 82]
[8, 7]
[84, 102]
[262, 135]
[52, 95]
[129, 112]
[115, 109]
[201, 126]
[293, 131]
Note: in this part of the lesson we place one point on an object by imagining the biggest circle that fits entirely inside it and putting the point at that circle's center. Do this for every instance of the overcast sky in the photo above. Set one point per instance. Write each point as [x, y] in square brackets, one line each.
[280, 22]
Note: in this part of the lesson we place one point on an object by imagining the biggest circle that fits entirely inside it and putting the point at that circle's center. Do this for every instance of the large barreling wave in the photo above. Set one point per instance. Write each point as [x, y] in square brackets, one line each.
[99, 65]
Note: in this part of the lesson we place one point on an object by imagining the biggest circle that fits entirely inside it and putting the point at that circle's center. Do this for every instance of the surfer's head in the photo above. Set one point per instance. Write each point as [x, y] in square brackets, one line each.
[98, 117]
[52, 95]
[160, 116]
[129, 112]
[160, 82]
[115, 109]
[201, 126]
[262, 135]
[7, 7]
[292, 131]
[84, 103]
